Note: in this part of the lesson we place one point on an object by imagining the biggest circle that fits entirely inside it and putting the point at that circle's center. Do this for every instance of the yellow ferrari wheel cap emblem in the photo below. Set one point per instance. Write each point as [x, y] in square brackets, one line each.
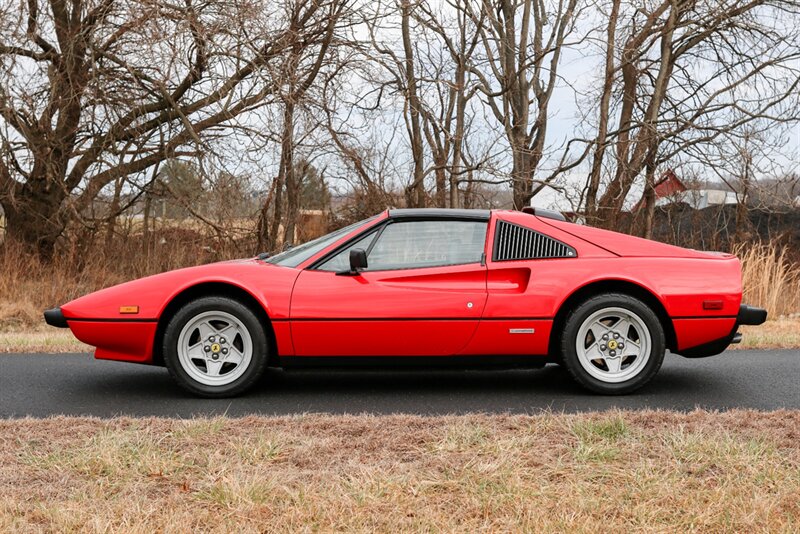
[612, 344]
[215, 347]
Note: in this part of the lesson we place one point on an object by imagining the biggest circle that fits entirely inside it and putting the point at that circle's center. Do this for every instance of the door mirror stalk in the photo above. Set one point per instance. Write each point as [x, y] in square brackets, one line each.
[358, 262]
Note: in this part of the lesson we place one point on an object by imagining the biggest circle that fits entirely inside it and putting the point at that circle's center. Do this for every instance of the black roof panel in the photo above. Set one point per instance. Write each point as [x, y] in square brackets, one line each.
[442, 213]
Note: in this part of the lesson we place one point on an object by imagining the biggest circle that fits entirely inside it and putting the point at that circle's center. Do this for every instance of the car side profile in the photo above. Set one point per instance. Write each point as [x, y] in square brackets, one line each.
[423, 288]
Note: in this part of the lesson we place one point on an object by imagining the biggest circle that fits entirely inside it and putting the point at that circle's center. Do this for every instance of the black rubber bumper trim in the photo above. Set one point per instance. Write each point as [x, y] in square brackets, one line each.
[749, 315]
[55, 317]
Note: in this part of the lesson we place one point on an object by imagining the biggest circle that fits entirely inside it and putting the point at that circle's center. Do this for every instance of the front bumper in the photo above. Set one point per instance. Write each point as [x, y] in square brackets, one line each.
[55, 317]
[121, 340]
[749, 315]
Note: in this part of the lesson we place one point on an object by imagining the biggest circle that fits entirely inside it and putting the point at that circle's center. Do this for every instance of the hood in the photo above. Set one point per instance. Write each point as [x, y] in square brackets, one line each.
[150, 294]
[628, 245]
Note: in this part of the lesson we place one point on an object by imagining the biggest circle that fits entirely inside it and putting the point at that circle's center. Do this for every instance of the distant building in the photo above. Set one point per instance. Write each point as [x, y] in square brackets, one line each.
[669, 189]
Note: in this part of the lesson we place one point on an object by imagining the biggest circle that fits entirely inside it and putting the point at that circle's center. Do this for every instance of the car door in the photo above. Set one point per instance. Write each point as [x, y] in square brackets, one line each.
[422, 293]
[528, 276]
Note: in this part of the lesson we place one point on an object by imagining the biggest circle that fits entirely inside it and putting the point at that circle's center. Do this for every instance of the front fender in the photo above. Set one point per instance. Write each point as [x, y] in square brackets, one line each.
[269, 285]
[122, 321]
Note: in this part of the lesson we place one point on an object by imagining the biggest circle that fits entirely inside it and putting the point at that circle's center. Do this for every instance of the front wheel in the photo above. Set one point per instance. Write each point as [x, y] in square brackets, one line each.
[613, 344]
[215, 347]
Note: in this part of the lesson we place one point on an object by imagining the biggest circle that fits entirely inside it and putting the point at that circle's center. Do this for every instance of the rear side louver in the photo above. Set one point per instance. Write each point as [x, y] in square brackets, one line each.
[513, 242]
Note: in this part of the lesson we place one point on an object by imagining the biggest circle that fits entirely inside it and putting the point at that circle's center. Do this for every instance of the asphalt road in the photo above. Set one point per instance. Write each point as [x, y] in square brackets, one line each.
[75, 384]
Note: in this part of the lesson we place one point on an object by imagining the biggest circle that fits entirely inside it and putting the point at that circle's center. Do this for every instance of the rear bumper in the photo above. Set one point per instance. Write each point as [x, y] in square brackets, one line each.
[748, 315]
[54, 317]
[751, 315]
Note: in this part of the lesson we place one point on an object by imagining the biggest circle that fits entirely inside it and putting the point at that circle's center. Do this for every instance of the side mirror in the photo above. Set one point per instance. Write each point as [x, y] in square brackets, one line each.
[358, 261]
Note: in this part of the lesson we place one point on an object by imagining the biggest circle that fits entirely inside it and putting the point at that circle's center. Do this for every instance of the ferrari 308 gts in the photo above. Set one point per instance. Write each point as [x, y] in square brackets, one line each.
[427, 287]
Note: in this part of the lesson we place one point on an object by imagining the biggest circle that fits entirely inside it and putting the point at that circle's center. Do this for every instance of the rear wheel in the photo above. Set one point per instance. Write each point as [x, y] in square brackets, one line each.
[613, 344]
[215, 347]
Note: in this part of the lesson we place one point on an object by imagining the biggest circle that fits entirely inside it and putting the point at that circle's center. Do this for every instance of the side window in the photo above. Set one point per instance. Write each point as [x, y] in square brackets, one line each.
[416, 244]
[341, 261]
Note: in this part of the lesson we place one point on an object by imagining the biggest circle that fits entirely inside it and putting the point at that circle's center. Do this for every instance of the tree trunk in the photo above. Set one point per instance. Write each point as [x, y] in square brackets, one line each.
[602, 128]
[148, 203]
[632, 154]
[522, 184]
[32, 218]
[742, 216]
[441, 182]
[262, 231]
[268, 232]
[458, 137]
[290, 178]
[113, 213]
[415, 192]
[469, 191]
[271, 238]
[649, 212]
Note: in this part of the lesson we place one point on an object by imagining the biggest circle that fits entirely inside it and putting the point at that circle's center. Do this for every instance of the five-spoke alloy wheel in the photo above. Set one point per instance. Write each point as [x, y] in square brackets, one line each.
[215, 347]
[613, 343]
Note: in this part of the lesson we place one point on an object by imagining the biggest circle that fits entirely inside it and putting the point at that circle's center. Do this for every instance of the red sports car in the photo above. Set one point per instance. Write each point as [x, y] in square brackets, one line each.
[427, 287]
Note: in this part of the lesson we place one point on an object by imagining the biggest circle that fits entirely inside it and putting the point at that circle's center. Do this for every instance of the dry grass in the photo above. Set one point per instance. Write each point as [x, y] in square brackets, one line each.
[783, 333]
[50, 340]
[612, 472]
[769, 279]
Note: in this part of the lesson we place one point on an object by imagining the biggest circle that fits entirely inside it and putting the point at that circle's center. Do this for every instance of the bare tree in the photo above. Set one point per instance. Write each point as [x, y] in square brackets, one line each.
[401, 67]
[445, 119]
[522, 43]
[430, 102]
[686, 74]
[297, 72]
[605, 102]
[91, 91]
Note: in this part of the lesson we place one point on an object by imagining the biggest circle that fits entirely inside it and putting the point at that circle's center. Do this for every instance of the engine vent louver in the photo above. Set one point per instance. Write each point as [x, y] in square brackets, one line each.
[513, 242]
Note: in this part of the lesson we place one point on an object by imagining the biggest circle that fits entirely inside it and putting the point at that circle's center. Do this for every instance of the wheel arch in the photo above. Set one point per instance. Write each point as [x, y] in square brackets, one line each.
[611, 286]
[206, 289]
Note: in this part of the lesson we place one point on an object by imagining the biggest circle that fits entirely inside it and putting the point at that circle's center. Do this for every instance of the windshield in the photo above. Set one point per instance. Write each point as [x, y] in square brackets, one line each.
[297, 255]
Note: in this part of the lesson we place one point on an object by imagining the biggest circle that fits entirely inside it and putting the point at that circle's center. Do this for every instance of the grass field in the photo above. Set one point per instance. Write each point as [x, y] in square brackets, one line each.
[610, 472]
[41, 340]
[781, 333]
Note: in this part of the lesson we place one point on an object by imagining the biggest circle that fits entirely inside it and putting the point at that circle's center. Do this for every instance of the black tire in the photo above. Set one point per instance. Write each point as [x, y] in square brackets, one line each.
[644, 372]
[260, 346]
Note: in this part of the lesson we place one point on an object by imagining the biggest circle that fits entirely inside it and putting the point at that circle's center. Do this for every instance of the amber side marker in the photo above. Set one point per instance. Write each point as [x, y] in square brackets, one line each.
[129, 309]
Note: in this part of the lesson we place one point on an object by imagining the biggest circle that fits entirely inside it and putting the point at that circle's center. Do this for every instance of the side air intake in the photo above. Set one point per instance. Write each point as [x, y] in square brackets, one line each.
[513, 242]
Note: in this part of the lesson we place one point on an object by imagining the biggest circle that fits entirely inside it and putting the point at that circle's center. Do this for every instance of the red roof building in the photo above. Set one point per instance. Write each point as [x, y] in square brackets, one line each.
[668, 185]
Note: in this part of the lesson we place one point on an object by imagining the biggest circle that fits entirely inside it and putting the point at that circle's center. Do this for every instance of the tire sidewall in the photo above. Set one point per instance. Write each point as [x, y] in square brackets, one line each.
[592, 305]
[184, 315]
